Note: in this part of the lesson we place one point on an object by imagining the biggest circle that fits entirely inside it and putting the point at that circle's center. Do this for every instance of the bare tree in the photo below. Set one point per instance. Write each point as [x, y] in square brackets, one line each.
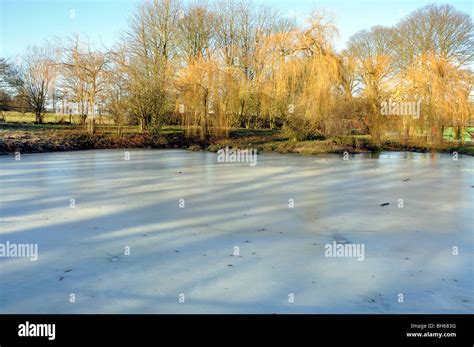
[196, 32]
[85, 71]
[38, 73]
[9, 83]
[150, 49]
[116, 96]
[436, 29]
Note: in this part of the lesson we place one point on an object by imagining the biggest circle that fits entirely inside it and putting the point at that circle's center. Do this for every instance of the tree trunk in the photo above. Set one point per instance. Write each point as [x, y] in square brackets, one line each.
[441, 134]
[205, 127]
[39, 118]
[91, 126]
[272, 123]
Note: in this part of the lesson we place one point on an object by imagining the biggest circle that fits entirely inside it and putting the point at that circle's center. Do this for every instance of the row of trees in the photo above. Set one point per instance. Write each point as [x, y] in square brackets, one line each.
[213, 66]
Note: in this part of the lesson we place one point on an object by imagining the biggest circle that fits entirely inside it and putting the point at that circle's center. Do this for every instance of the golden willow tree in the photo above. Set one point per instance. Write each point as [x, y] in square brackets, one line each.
[373, 54]
[434, 48]
[443, 91]
[220, 80]
[424, 59]
[319, 75]
[301, 79]
[198, 87]
[200, 77]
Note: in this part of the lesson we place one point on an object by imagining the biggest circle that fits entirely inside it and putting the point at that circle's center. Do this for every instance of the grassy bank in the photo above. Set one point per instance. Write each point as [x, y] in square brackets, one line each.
[31, 138]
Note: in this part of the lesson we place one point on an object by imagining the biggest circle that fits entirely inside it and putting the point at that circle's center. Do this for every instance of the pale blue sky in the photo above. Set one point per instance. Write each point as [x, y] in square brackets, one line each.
[26, 22]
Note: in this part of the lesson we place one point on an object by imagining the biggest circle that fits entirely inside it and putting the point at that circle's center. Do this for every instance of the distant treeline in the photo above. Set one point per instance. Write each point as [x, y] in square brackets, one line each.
[214, 66]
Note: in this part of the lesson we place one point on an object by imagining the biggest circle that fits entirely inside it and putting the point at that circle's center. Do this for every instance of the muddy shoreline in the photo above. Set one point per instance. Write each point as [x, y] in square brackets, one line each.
[64, 141]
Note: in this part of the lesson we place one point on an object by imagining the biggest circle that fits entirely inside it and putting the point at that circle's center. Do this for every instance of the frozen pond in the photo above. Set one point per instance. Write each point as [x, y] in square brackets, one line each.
[113, 236]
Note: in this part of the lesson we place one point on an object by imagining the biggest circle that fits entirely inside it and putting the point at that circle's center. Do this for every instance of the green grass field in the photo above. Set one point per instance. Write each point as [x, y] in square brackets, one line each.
[449, 134]
[29, 117]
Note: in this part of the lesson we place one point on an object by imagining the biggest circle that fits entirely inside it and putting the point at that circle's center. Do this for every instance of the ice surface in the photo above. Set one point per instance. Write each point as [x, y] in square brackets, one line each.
[190, 250]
